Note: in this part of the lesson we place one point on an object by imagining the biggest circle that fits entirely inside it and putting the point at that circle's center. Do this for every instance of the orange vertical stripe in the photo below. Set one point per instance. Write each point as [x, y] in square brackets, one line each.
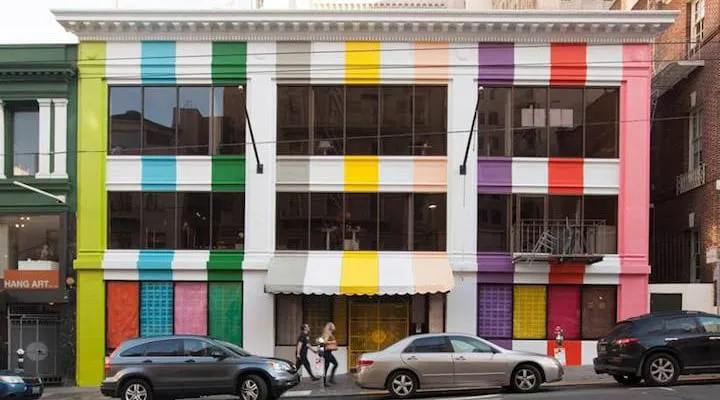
[568, 64]
[566, 176]
[123, 307]
[573, 351]
[567, 274]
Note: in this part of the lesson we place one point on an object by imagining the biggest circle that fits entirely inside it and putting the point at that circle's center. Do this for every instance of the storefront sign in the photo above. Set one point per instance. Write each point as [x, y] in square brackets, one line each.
[31, 280]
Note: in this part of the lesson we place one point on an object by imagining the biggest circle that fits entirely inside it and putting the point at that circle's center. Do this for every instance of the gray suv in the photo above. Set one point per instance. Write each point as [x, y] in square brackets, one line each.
[193, 366]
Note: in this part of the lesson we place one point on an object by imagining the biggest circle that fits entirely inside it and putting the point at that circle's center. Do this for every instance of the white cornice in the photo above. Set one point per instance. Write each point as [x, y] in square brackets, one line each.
[397, 25]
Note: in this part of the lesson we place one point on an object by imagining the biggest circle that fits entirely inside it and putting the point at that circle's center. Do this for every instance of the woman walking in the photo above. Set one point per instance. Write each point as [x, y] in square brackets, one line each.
[301, 351]
[330, 345]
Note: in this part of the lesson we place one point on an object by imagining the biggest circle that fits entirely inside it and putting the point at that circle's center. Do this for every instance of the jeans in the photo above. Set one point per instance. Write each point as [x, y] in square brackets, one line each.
[330, 359]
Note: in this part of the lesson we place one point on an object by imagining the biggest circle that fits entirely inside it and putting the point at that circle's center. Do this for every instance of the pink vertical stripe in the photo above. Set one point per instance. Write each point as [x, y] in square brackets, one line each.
[190, 308]
[431, 62]
[634, 196]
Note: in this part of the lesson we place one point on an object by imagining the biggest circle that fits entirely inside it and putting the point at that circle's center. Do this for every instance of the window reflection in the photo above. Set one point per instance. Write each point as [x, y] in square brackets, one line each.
[158, 221]
[125, 210]
[394, 226]
[429, 222]
[194, 120]
[329, 120]
[565, 122]
[293, 119]
[292, 221]
[229, 121]
[430, 118]
[28, 239]
[193, 220]
[26, 132]
[361, 219]
[228, 216]
[125, 120]
[492, 222]
[362, 120]
[601, 215]
[529, 122]
[602, 110]
[326, 221]
[397, 120]
[494, 121]
[159, 105]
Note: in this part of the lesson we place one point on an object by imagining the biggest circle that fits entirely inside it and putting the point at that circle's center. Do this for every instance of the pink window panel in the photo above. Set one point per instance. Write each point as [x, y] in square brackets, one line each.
[564, 311]
[190, 308]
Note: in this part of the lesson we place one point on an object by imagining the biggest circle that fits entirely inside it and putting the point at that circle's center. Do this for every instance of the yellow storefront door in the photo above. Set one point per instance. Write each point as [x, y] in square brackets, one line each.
[376, 322]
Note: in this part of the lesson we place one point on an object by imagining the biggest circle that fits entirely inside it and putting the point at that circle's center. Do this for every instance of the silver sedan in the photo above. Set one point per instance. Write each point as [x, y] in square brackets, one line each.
[453, 361]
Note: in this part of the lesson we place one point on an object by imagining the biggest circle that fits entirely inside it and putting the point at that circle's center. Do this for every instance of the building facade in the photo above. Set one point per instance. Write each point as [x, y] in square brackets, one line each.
[37, 205]
[341, 196]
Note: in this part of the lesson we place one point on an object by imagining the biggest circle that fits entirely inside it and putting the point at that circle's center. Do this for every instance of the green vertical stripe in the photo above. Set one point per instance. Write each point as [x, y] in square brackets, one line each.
[225, 311]
[229, 63]
[225, 265]
[228, 173]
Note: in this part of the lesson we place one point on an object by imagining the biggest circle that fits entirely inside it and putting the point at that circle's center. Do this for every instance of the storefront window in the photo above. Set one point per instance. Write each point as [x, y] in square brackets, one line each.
[29, 240]
[291, 311]
[599, 311]
[529, 313]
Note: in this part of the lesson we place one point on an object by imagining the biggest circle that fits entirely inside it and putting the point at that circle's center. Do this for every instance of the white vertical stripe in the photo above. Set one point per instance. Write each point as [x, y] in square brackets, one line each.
[605, 272]
[120, 265]
[44, 139]
[193, 62]
[327, 173]
[194, 173]
[60, 149]
[323, 273]
[532, 346]
[395, 274]
[604, 65]
[327, 62]
[123, 173]
[588, 349]
[397, 60]
[529, 175]
[123, 62]
[396, 173]
[532, 64]
[537, 272]
[601, 176]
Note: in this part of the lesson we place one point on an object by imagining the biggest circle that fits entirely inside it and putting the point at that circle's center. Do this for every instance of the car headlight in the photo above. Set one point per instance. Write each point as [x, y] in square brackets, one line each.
[11, 379]
[279, 366]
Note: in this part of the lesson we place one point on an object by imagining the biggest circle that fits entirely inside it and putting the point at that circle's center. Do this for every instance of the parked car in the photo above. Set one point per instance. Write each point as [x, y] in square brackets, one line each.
[660, 347]
[193, 366]
[453, 361]
[17, 385]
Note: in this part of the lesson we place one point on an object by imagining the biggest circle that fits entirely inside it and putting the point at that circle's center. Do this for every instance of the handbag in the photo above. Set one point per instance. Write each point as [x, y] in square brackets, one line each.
[331, 345]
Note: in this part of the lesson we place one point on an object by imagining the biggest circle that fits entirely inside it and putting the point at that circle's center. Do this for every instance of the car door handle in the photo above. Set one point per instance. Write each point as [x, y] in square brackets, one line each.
[147, 362]
[190, 361]
[412, 358]
[670, 339]
[461, 358]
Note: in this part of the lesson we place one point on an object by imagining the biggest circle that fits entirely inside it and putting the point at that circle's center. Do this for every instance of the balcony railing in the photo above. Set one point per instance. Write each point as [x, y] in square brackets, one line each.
[564, 237]
[690, 180]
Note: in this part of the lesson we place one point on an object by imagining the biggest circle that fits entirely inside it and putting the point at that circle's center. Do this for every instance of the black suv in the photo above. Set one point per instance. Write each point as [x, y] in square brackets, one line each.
[193, 366]
[660, 347]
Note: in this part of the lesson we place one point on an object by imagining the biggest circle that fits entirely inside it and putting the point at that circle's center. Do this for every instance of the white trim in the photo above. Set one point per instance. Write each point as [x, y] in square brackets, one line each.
[60, 151]
[2, 140]
[44, 118]
[598, 26]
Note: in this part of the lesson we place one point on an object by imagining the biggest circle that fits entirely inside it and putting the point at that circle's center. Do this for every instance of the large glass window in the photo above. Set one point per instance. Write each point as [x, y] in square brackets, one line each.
[182, 220]
[599, 311]
[602, 116]
[530, 122]
[183, 120]
[494, 121]
[565, 122]
[25, 125]
[350, 221]
[291, 311]
[362, 120]
[493, 226]
[29, 238]
[600, 224]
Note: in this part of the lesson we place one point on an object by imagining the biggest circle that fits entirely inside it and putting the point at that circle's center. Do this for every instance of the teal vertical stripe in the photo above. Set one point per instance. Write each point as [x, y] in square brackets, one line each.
[158, 62]
[159, 173]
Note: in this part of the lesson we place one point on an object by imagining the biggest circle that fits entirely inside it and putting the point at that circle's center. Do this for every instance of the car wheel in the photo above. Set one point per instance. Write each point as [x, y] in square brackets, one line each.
[628, 380]
[661, 370]
[526, 379]
[402, 384]
[253, 387]
[136, 389]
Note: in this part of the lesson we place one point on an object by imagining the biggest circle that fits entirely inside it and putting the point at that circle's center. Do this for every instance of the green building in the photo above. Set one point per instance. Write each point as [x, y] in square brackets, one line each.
[38, 124]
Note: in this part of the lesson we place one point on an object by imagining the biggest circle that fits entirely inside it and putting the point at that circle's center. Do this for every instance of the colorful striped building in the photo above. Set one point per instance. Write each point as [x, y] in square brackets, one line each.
[348, 202]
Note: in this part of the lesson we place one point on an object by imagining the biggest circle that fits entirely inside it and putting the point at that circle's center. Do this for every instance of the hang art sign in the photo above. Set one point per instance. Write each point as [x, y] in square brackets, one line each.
[31, 280]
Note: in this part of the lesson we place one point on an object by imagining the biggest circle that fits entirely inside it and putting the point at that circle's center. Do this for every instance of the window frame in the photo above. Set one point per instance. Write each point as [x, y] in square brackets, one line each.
[508, 198]
[697, 25]
[448, 348]
[10, 108]
[695, 139]
[176, 129]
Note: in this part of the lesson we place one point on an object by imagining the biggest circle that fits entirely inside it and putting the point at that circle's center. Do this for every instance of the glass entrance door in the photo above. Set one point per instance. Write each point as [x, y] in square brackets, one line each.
[376, 322]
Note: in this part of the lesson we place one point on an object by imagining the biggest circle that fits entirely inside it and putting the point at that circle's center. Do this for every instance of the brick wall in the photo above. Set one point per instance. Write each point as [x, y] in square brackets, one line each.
[670, 147]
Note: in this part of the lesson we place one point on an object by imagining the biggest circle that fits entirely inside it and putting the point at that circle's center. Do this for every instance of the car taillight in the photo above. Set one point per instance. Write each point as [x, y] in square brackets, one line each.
[365, 363]
[107, 365]
[626, 341]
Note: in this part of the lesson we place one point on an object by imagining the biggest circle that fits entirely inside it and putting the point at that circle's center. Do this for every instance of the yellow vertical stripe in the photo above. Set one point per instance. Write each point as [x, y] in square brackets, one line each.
[529, 319]
[362, 173]
[360, 273]
[91, 213]
[362, 63]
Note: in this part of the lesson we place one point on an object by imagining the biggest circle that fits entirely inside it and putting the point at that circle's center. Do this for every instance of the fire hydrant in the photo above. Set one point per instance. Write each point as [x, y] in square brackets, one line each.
[559, 337]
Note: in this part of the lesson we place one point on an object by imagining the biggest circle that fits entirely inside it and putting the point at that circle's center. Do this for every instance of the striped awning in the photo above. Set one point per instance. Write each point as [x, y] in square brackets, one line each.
[359, 273]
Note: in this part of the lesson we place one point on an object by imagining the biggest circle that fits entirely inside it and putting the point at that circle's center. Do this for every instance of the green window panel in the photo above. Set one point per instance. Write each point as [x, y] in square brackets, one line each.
[225, 311]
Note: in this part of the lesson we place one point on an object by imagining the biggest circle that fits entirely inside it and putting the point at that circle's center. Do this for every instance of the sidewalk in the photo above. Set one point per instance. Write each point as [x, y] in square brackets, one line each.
[345, 387]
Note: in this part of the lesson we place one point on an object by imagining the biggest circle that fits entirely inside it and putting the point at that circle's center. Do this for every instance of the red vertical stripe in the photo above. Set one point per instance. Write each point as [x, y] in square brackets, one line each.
[123, 307]
[568, 64]
[566, 176]
[564, 311]
[573, 351]
[567, 274]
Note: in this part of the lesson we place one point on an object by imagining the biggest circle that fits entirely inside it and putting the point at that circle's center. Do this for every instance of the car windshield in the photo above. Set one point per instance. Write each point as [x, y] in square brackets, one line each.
[234, 348]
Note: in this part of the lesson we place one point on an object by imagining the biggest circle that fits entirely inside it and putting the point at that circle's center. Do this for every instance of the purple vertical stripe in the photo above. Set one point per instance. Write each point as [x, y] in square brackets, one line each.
[496, 62]
[495, 174]
[495, 268]
[495, 311]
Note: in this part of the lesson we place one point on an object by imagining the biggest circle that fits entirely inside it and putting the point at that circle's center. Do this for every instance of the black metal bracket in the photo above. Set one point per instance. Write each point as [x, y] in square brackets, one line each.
[463, 166]
[259, 168]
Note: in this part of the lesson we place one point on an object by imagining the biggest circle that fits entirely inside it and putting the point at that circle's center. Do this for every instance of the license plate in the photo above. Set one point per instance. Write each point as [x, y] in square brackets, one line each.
[36, 390]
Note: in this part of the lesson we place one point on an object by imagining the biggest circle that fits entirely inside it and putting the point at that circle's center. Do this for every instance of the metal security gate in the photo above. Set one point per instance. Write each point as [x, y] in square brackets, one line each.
[38, 335]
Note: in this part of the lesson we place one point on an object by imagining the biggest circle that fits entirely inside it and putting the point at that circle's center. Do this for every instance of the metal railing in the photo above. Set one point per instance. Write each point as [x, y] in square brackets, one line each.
[564, 237]
[690, 180]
